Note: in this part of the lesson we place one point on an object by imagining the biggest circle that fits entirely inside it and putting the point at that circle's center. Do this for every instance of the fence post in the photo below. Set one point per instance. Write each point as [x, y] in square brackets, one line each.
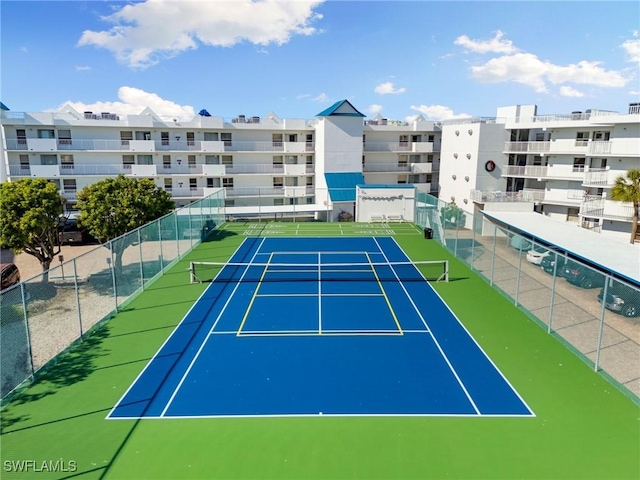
[141, 261]
[75, 284]
[26, 326]
[518, 277]
[553, 291]
[493, 257]
[602, 312]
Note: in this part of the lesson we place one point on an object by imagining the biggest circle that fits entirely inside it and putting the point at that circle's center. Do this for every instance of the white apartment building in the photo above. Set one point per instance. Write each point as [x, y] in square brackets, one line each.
[562, 166]
[266, 165]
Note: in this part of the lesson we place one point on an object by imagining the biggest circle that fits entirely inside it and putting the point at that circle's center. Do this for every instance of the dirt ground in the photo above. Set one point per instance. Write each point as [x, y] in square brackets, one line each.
[29, 266]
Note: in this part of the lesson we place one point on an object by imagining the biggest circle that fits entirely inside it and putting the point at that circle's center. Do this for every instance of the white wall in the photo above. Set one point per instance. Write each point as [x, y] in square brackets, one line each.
[388, 202]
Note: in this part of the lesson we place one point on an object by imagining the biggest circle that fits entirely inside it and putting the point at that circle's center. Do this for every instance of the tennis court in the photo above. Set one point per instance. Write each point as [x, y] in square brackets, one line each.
[328, 326]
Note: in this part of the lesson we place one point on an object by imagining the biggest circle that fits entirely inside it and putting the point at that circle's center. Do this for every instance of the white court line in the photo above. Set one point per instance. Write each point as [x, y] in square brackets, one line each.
[473, 339]
[193, 361]
[319, 293]
[446, 359]
[169, 337]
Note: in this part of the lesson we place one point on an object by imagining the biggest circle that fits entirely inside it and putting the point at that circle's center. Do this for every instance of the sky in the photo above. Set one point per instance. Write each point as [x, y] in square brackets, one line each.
[295, 58]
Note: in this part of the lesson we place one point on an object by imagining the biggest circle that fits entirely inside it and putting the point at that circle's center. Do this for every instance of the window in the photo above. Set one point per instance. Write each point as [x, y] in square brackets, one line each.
[125, 137]
[66, 162]
[309, 181]
[402, 160]
[278, 201]
[210, 136]
[573, 215]
[127, 161]
[276, 139]
[293, 201]
[193, 184]
[292, 137]
[310, 200]
[582, 139]
[309, 139]
[309, 160]
[21, 134]
[166, 161]
[168, 184]
[226, 138]
[278, 182]
[402, 179]
[48, 159]
[210, 182]
[429, 158]
[212, 159]
[227, 160]
[46, 133]
[404, 140]
[291, 160]
[164, 138]
[601, 136]
[227, 182]
[431, 138]
[229, 202]
[191, 139]
[64, 137]
[414, 178]
[414, 158]
[278, 161]
[191, 160]
[416, 138]
[578, 165]
[69, 185]
[145, 160]
[143, 135]
[24, 162]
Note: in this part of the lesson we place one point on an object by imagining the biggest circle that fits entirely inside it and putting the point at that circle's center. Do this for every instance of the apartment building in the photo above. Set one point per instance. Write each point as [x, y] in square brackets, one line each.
[266, 165]
[562, 166]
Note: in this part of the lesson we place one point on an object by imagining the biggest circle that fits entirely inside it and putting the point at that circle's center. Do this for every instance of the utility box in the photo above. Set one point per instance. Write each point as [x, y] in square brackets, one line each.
[428, 233]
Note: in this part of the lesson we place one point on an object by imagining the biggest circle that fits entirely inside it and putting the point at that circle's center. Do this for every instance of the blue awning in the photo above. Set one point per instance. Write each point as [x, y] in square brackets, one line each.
[342, 186]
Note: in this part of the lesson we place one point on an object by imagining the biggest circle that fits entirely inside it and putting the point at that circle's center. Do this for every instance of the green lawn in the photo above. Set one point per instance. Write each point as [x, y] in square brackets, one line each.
[584, 427]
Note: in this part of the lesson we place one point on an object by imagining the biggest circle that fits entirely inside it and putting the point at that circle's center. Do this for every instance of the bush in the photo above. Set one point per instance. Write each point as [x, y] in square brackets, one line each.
[345, 217]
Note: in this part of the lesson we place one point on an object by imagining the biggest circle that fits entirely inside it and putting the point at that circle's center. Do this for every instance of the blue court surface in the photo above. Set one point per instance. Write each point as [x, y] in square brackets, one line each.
[319, 326]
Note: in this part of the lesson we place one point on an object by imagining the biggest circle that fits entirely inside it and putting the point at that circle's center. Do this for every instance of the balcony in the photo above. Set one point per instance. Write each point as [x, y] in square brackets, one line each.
[618, 146]
[523, 196]
[555, 172]
[254, 191]
[416, 147]
[182, 192]
[595, 206]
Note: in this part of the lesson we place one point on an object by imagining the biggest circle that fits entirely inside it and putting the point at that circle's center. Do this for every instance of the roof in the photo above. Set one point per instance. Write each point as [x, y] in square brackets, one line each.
[3, 106]
[609, 254]
[340, 109]
[342, 186]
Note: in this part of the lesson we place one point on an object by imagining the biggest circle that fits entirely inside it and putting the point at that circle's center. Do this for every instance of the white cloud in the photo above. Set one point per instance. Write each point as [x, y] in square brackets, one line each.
[528, 69]
[323, 97]
[145, 33]
[437, 112]
[24, 49]
[494, 45]
[388, 88]
[566, 91]
[634, 92]
[632, 49]
[374, 109]
[82, 68]
[133, 101]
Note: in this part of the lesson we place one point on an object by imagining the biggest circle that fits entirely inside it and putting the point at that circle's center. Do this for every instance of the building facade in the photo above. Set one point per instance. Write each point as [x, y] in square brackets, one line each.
[564, 166]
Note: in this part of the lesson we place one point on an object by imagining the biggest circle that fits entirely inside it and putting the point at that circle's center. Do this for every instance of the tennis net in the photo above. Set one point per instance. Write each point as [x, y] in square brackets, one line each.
[429, 270]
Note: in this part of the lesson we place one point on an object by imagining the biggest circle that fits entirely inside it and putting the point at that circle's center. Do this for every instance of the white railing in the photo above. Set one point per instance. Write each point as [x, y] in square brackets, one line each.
[386, 167]
[532, 147]
[424, 147]
[537, 171]
[597, 176]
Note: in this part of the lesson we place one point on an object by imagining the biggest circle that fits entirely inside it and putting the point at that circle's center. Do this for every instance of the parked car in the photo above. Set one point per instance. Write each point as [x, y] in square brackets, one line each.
[548, 264]
[581, 275]
[622, 299]
[520, 243]
[69, 231]
[536, 254]
[9, 275]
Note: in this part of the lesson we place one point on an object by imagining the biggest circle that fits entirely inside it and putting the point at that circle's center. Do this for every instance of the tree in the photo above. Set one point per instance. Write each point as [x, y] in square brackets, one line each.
[29, 214]
[452, 216]
[627, 189]
[114, 206]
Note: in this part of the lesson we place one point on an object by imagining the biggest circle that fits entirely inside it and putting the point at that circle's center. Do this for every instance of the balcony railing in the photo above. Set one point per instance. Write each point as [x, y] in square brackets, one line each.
[419, 147]
[596, 206]
[526, 196]
[537, 171]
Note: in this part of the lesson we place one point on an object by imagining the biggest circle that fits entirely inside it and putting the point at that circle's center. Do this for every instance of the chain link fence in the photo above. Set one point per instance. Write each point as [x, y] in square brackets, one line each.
[44, 315]
[597, 315]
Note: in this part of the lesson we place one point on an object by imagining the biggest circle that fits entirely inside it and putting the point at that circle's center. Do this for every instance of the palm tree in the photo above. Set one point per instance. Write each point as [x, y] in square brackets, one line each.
[627, 189]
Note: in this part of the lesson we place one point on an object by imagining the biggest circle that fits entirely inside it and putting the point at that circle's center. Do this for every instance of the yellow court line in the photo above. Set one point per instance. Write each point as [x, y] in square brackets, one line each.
[384, 294]
[255, 293]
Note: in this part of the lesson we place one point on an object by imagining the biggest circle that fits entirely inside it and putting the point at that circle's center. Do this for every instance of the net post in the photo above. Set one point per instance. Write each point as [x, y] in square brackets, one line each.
[192, 273]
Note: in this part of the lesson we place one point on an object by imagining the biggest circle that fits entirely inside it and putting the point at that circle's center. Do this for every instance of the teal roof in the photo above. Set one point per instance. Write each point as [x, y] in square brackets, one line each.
[342, 186]
[3, 106]
[340, 109]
